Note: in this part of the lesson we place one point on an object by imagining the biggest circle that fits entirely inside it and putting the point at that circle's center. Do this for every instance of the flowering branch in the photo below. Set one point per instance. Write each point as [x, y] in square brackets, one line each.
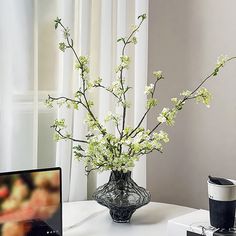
[150, 102]
[58, 126]
[125, 61]
[199, 94]
[82, 64]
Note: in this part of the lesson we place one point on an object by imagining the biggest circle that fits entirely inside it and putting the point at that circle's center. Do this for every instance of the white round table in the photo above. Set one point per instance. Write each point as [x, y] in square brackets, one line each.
[88, 218]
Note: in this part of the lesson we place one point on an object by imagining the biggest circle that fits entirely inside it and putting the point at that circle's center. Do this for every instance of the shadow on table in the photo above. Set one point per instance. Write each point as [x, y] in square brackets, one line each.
[149, 216]
[83, 221]
[146, 216]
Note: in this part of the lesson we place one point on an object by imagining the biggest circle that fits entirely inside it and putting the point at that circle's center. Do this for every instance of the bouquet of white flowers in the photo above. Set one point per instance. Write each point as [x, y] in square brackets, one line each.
[102, 150]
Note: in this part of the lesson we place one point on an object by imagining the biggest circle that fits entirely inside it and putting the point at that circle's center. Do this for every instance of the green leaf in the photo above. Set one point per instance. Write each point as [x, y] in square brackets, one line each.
[143, 16]
[121, 39]
[78, 148]
[57, 21]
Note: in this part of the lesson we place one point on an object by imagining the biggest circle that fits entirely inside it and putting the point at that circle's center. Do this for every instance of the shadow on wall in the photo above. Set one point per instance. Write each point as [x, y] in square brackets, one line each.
[184, 42]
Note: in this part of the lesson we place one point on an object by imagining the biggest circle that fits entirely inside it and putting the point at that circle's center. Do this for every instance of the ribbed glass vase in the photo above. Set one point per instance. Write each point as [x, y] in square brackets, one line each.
[122, 196]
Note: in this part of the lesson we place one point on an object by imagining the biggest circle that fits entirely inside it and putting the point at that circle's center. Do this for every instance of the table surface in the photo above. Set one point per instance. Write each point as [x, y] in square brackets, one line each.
[88, 218]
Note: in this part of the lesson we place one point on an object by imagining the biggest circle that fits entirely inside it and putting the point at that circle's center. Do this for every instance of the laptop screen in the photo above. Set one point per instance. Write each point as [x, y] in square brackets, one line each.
[30, 203]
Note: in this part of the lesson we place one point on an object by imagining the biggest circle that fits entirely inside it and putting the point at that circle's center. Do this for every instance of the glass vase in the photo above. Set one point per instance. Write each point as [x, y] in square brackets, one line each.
[122, 196]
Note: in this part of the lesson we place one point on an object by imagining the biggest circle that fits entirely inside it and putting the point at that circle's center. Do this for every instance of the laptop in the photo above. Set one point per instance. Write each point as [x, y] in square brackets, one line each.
[31, 203]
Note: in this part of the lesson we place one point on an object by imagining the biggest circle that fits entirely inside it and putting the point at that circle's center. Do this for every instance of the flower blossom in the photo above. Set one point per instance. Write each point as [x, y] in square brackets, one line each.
[158, 74]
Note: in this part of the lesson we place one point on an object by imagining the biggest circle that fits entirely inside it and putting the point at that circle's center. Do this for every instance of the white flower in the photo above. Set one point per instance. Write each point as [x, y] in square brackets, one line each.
[161, 118]
[66, 33]
[221, 60]
[151, 102]
[149, 89]
[134, 27]
[62, 46]
[185, 93]
[108, 117]
[158, 74]
[220, 63]
[125, 60]
[174, 100]
[83, 60]
[167, 115]
[165, 110]
[204, 96]
[134, 40]
[163, 136]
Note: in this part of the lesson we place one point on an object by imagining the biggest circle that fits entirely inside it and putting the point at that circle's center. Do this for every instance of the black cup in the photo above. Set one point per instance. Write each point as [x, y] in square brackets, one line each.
[222, 202]
[222, 214]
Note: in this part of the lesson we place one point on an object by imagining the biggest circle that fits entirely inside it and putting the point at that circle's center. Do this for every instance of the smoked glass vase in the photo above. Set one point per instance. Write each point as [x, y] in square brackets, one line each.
[122, 196]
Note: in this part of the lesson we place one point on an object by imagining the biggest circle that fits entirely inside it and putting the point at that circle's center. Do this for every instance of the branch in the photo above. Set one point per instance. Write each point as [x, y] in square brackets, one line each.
[66, 137]
[132, 33]
[145, 114]
[102, 86]
[155, 127]
[88, 171]
[189, 97]
[70, 44]
[126, 42]
[94, 118]
[65, 98]
[118, 129]
[124, 105]
[142, 152]
[147, 152]
[208, 77]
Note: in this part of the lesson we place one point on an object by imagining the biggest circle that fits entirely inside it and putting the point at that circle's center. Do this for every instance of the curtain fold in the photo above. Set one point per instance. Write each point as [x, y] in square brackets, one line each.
[32, 67]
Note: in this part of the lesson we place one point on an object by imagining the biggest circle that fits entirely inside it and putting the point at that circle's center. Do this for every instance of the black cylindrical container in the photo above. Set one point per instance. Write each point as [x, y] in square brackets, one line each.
[222, 202]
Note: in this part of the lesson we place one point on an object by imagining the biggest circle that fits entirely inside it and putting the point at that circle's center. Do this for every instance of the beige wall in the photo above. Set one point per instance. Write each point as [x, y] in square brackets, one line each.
[185, 38]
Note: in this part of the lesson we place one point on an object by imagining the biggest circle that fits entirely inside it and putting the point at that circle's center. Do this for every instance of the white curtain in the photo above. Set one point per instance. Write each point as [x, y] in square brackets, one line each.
[31, 66]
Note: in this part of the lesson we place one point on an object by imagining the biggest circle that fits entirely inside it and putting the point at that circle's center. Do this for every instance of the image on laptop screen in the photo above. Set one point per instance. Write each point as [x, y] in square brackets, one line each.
[30, 203]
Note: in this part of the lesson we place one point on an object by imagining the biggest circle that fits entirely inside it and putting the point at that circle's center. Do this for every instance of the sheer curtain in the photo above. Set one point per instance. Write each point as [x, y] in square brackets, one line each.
[31, 66]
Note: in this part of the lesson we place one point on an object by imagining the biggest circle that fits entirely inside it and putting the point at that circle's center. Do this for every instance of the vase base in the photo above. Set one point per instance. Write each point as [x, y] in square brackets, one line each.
[121, 221]
[121, 215]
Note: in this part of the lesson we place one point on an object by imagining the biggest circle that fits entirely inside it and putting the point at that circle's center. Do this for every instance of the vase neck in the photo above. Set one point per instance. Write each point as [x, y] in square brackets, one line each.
[119, 175]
